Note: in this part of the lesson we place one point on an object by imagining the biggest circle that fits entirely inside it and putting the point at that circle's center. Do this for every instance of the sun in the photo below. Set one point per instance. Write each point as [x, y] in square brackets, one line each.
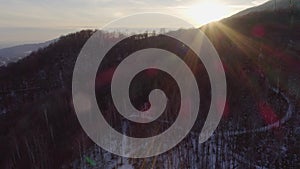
[207, 11]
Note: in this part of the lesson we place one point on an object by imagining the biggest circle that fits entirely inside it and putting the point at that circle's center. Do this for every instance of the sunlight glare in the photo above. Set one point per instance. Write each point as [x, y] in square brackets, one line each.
[207, 11]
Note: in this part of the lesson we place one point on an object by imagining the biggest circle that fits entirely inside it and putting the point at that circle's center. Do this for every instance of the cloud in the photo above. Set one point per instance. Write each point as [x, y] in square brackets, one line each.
[61, 13]
[76, 14]
[259, 2]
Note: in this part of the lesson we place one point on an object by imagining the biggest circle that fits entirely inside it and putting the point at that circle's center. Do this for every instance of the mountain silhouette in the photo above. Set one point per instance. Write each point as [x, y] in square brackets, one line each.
[260, 54]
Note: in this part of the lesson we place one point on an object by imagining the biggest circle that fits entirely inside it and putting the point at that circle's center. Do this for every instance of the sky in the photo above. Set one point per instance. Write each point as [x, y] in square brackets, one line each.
[30, 21]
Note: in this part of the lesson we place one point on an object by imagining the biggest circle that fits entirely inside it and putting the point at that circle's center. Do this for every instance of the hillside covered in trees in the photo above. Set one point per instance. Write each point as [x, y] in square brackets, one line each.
[260, 127]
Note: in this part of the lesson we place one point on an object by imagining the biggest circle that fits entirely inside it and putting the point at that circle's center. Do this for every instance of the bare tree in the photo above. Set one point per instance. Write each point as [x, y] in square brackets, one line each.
[292, 5]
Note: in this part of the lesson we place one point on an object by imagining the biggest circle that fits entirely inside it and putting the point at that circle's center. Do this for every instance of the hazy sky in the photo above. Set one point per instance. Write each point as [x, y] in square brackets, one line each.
[40, 20]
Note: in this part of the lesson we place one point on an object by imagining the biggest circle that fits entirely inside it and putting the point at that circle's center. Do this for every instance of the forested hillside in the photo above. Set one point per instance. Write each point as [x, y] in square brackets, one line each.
[260, 127]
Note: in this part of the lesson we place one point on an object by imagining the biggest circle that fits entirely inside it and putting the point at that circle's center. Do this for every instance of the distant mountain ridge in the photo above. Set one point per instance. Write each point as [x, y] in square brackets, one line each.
[272, 5]
[15, 53]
